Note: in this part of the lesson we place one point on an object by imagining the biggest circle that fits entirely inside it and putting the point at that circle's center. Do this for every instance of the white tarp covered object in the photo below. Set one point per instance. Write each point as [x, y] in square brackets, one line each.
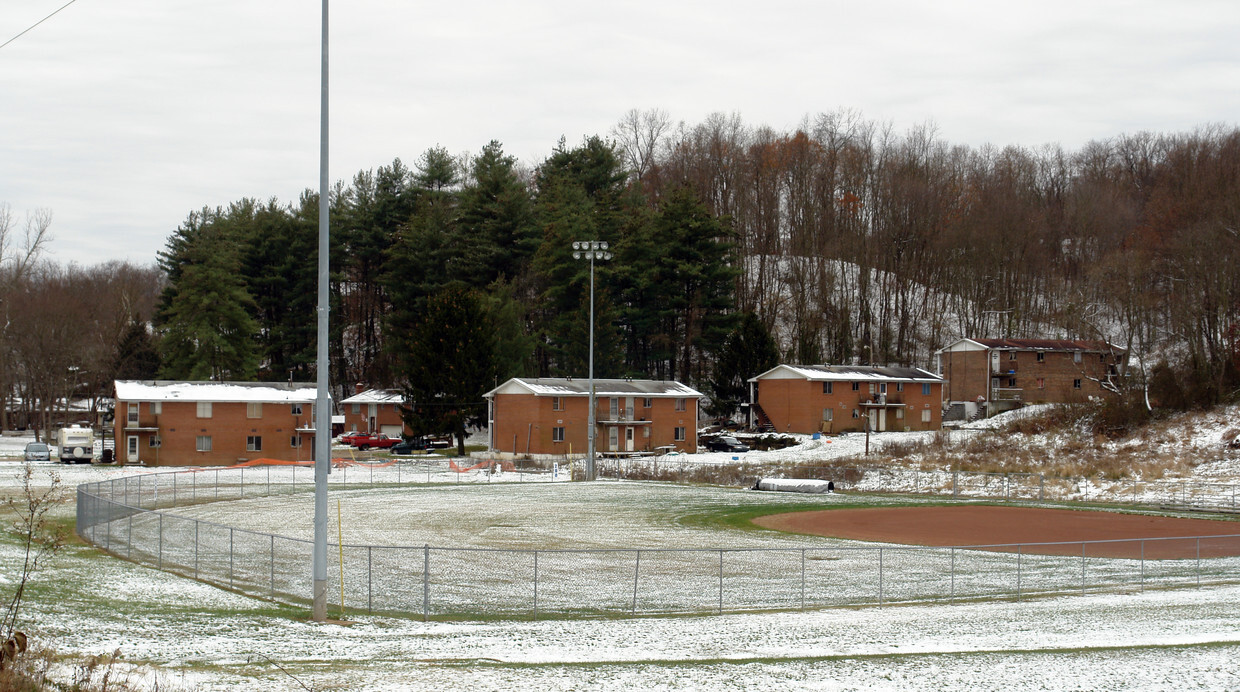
[796, 485]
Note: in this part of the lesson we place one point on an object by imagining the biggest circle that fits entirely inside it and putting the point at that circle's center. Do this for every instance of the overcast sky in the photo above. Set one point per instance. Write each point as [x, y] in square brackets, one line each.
[122, 116]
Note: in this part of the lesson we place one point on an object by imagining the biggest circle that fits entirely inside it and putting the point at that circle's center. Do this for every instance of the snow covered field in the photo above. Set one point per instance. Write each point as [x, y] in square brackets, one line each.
[182, 634]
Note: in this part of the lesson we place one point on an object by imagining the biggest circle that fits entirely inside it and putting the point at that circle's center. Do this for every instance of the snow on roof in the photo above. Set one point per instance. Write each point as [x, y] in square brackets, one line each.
[376, 396]
[168, 390]
[1088, 345]
[847, 373]
[563, 386]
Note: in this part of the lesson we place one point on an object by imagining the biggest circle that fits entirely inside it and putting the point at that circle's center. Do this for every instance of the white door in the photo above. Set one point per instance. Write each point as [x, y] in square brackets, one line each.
[628, 439]
[131, 449]
[613, 437]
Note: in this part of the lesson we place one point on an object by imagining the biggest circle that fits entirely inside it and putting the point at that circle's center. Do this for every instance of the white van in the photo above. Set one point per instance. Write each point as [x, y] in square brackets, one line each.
[77, 445]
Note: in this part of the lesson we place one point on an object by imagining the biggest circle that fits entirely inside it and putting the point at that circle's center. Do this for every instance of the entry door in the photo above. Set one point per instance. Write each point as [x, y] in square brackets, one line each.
[628, 439]
[613, 437]
[131, 449]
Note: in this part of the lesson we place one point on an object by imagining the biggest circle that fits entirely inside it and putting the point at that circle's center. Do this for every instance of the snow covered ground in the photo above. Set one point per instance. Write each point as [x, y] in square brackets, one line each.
[182, 635]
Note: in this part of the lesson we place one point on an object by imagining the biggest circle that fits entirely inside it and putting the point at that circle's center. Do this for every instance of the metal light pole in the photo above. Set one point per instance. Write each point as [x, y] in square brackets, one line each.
[322, 402]
[591, 250]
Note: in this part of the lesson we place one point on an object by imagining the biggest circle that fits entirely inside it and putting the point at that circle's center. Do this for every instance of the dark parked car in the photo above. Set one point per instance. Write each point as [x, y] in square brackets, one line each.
[415, 444]
[725, 443]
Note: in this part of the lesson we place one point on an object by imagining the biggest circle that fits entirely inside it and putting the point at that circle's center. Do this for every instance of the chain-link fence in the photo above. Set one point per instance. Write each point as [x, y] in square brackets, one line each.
[1175, 494]
[135, 518]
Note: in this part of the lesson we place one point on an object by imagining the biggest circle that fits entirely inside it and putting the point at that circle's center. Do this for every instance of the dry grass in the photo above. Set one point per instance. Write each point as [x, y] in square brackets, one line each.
[1067, 441]
[42, 668]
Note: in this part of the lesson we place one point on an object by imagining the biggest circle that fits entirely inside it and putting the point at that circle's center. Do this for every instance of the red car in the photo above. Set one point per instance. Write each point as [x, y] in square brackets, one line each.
[377, 440]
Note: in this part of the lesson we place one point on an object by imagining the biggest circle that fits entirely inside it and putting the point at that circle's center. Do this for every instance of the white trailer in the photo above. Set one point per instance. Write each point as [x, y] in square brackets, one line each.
[77, 445]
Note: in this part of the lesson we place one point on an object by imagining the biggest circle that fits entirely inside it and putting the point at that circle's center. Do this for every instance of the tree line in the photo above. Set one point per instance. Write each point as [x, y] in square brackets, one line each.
[733, 246]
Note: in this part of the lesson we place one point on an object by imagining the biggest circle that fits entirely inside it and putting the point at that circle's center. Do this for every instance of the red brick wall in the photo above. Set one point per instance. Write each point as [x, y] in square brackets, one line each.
[524, 423]
[178, 428]
[387, 414]
[967, 375]
[796, 405]
[1051, 380]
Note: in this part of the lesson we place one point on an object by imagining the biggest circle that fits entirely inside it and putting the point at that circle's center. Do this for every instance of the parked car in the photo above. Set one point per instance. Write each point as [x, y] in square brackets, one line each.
[376, 440]
[349, 437]
[725, 443]
[413, 444]
[38, 451]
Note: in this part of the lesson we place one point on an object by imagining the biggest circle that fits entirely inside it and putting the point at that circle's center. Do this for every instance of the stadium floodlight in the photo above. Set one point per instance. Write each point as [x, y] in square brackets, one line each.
[322, 401]
[591, 250]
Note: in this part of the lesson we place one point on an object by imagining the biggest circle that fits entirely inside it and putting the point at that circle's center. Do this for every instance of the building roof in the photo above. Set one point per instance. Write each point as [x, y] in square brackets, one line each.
[376, 396]
[249, 392]
[565, 386]
[1087, 345]
[848, 373]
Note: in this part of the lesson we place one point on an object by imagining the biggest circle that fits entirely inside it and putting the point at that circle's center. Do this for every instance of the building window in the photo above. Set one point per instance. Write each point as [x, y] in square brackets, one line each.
[357, 408]
[254, 409]
[1041, 383]
[1076, 356]
[1076, 384]
[294, 441]
[1041, 356]
[680, 434]
[900, 413]
[826, 387]
[203, 443]
[925, 389]
[648, 402]
[557, 434]
[1011, 382]
[899, 386]
[925, 416]
[856, 386]
[157, 407]
[556, 405]
[204, 410]
[1011, 355]
[254, 443]
[132, 420]
[153, 441]
[856, 413]
[296, 409]
[827, 415]
[680, 404]
[873, 388]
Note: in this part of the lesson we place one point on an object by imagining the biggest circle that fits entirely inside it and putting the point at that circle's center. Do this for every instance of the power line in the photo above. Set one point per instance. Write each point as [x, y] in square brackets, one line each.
[2, 45]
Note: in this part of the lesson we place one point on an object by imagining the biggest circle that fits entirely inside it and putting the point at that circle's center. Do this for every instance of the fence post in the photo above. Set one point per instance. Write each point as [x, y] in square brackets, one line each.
[426, 582]
[230, 557]
[721, 582]
[129, 540]
[161, 542]
[637, 567]
[1082, 568]
[535, 584]
[273, 565]
[880, 577]
[802, 578]
[196, 524]
[953, 597]
[1018, 561]
[370, 582]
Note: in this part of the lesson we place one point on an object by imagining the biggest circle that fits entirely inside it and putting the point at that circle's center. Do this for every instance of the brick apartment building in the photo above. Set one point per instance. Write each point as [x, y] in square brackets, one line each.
[374, 410]
[1010, 372]
[166, 423]
[842, 398]
[551, 416]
